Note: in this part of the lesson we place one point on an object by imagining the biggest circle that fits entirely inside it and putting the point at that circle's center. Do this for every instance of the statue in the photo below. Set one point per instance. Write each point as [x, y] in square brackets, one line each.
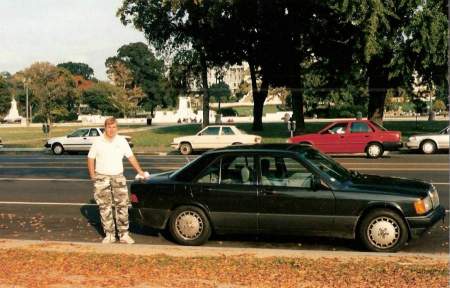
[13, 114]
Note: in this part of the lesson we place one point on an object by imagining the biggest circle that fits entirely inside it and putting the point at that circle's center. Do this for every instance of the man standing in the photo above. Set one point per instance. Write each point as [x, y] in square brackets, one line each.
[110, 186]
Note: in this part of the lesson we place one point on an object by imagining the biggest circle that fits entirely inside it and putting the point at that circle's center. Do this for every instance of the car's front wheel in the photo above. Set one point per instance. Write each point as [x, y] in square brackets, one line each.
[383, 230]
[189, 225]
[428, 147]
[374, 150]
[185, 148]
[57, 149]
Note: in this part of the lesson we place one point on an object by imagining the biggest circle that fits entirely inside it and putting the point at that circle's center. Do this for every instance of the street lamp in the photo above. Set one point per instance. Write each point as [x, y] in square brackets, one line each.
[25, 83]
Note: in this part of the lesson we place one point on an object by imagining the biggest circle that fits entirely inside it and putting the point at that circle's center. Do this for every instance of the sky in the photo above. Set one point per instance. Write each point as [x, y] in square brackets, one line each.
[60, 31]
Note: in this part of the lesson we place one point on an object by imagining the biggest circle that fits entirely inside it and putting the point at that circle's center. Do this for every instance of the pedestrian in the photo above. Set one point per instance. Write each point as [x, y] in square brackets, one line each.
[110, 186]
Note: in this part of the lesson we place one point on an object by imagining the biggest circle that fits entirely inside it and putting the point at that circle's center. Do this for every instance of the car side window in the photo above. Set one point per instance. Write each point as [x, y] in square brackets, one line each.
[230, 170]
[94, 133]
[338, 128]
[284, 171]
[360, 127]
[80, 133]
[210, 131]
[227, 131]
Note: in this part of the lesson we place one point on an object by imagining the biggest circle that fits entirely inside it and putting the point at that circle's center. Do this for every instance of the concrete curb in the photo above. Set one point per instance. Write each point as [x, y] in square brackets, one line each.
[202, 251]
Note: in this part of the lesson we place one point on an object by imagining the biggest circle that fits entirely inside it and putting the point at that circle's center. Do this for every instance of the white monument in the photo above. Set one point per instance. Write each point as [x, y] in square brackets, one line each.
[13, 114]
[184, 114]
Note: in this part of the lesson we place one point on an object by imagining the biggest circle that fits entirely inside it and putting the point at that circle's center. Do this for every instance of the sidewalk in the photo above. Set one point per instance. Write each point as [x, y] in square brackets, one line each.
[198, 251]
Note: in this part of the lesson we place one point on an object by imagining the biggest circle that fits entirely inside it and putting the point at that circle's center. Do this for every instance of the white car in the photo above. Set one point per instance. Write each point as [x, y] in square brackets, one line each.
[79, 140]
[212, 137]
[429, 143]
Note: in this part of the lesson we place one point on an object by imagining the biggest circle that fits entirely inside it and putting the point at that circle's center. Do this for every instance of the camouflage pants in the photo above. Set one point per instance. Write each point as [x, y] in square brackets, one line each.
[109, 190]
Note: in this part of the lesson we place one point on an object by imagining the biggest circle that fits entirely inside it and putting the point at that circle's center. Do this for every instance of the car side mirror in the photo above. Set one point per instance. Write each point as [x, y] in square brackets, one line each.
[315, 182]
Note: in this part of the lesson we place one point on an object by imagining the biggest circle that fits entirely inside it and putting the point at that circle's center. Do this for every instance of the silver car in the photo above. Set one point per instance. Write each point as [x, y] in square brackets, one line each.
[429, 143]
[79, 140]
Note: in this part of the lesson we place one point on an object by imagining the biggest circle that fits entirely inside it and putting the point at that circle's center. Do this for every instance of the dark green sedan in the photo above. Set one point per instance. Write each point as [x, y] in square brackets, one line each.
[284, 189]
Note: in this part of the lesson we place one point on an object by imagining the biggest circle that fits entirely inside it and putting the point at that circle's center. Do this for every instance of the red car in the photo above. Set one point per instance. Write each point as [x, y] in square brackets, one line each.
[352, 136]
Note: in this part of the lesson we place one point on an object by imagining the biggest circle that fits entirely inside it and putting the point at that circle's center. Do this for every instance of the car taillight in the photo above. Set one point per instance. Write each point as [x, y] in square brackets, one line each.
[289, 140]
[134, 198]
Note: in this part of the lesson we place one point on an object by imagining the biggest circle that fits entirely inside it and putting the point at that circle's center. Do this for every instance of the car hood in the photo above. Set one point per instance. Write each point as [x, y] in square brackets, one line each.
[57, 139]
[391, 185]
[184, 138]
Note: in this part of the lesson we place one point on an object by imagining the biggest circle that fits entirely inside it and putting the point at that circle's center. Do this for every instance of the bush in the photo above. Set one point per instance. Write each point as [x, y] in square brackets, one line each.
[227, 112]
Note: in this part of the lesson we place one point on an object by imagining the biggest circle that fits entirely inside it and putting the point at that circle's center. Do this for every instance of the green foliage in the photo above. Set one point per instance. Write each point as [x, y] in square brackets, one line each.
[439, 105]
[5, 95]
[81, 69]
[220, 92]
[99, 98]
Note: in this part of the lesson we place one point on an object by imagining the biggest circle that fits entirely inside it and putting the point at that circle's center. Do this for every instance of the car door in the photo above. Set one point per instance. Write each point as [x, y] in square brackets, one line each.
[287, 200]
[332, 139]
[227, 136]
[227, 187]
[443, 139]
[208, 138]
[90, 138]
[76, 140]
[358, 138]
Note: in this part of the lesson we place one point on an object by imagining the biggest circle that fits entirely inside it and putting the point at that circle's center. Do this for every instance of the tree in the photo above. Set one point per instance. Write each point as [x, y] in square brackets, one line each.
[5, 94]
[53, 91]
[395, 39]
[100, 97]
[174, 25]
[140, 73]
[81, 69]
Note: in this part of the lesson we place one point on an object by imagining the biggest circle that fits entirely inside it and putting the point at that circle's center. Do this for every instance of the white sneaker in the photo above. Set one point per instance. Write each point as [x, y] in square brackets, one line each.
[110, 238]
[126, 238]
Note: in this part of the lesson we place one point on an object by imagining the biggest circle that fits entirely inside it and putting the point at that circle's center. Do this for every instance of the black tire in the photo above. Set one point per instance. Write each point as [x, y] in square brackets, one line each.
[237, 143]
[428, 147]
[383, 230]
[185, 148]
[374, 150]
[57, 149]
[189, 225]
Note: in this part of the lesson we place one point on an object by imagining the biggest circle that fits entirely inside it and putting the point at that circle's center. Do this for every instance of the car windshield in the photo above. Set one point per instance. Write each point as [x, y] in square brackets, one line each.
[79, 133]
[378, 125]
[327, 165]
[444, 131]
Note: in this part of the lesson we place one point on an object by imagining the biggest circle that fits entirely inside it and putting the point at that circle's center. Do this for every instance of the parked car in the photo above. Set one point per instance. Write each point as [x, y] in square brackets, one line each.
[429, 143]
[284, 189]
[352, 136]
[214, 136]
[79, 140]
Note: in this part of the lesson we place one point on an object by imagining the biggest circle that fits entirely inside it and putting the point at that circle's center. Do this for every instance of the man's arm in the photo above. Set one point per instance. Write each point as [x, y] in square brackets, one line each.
[91, 168]
[134, 162]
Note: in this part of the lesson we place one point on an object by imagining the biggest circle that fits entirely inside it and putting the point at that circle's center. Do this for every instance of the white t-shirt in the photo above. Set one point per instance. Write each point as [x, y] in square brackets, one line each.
[108, 155]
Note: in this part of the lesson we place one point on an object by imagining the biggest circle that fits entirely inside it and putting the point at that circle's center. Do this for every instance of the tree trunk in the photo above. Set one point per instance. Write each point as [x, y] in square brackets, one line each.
[297, 110]
[259, 97]
[377, 92]
[205, 121]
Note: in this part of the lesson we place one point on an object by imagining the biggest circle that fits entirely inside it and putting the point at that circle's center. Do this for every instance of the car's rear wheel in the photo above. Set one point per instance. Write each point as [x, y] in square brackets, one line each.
[189, 225]
[57, 149]
[383, 230]
[428, 147]
[374, 150]
[185, 148]
[237, 143]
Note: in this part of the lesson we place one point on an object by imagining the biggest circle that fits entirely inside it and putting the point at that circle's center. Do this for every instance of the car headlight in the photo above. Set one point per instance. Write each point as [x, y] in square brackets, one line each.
[412, 139]
[424, 205]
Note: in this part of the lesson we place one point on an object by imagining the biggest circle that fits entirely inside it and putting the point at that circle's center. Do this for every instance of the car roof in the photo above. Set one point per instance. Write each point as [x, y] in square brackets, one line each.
[272, 147]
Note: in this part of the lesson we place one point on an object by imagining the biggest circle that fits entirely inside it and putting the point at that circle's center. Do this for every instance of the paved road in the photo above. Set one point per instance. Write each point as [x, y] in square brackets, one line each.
[49, 197]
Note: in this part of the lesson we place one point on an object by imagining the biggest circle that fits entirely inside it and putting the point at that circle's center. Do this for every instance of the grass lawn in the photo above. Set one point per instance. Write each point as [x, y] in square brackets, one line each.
[159, 139]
